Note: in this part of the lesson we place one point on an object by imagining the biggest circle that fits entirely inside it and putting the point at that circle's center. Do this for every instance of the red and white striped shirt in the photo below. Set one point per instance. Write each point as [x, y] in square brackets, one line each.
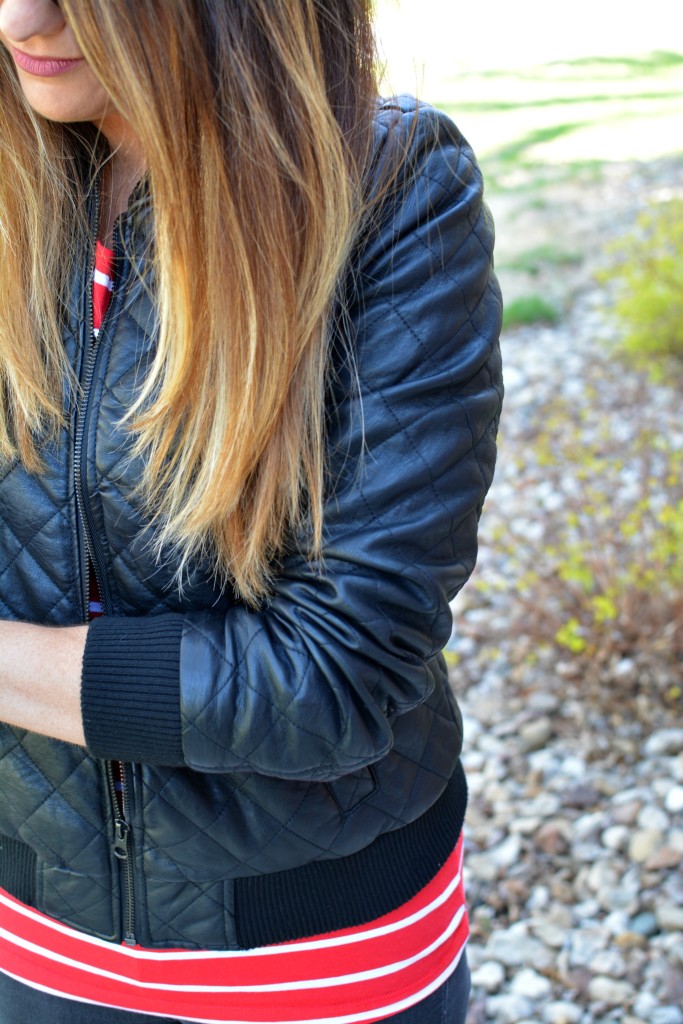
[351, 976]
[103, 284]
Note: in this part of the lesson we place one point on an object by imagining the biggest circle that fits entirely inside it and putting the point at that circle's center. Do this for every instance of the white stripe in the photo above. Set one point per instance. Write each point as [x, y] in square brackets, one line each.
[96, 331]
[288, 986]
[100, 278]
[277, 950]
[350, 1018]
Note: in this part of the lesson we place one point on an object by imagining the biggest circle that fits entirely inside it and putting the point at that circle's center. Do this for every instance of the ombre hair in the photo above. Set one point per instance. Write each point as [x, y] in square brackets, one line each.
[255, 118]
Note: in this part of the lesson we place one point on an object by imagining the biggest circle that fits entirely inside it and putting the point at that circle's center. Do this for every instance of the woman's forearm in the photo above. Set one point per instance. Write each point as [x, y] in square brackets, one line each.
[40, 679]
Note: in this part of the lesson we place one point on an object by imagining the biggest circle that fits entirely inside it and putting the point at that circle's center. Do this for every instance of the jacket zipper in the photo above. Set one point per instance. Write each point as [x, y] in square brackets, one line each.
[85, 511]
[122, 851]
[93, 557]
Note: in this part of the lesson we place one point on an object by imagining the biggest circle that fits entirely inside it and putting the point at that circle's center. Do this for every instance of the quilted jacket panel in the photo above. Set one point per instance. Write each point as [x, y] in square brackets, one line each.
[313, 726]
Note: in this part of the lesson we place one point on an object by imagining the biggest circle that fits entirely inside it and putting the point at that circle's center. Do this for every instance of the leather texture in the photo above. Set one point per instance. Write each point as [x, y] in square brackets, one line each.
[325, 719]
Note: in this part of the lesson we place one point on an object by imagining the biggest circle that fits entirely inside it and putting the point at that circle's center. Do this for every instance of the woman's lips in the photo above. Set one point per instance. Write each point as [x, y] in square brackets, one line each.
[44, 67]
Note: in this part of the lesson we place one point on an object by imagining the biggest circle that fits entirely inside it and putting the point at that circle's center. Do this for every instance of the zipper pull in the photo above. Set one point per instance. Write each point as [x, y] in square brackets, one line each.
[121, 833]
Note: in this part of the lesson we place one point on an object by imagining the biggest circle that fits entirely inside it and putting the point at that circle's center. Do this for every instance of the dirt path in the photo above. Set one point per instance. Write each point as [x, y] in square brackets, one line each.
[551, 233]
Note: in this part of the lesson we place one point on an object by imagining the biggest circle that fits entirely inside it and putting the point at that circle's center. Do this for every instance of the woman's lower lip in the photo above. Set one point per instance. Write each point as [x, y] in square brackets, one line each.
[44, 67]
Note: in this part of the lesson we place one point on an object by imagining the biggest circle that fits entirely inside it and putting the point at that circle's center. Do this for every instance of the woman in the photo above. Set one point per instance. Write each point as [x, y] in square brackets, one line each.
[248, 340]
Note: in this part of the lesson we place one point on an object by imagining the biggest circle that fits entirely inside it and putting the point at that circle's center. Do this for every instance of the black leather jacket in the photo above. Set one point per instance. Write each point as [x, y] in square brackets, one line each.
[311, 747]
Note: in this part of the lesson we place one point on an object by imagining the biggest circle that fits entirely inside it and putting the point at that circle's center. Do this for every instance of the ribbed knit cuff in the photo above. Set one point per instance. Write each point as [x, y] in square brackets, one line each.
[130, 691]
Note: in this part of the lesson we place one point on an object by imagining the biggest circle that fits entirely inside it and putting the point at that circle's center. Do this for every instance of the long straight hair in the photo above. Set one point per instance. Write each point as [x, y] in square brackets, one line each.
[255, 118]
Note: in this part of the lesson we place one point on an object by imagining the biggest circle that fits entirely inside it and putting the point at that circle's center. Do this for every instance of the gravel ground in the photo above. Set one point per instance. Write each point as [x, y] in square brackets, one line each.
[575, 827]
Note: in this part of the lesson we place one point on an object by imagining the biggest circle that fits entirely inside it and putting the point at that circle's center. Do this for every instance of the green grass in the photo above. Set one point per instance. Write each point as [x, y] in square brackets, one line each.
[527, 310]
[658, 60]
[512, 151]
[548, 118]
[600, 67]
[503, 106]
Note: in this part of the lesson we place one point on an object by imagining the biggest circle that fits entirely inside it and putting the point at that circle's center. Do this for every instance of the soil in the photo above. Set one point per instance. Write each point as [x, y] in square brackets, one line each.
[571, 217]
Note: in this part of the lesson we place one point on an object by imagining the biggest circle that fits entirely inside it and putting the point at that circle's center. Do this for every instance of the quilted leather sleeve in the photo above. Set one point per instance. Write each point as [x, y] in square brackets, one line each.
[308, 687]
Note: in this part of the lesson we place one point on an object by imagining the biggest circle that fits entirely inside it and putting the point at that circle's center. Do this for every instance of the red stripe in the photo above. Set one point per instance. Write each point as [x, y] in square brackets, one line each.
[104, 262]
[371, 948]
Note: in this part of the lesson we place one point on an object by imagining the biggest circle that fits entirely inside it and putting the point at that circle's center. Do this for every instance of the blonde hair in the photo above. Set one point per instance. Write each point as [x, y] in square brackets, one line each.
[255, 118]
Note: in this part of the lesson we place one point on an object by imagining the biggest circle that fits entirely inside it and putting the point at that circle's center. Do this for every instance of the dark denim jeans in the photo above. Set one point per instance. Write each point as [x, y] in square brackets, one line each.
[448, 1005]
[20, 1004]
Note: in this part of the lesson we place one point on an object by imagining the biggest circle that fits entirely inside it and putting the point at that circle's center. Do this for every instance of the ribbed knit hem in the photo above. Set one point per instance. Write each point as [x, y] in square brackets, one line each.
[18, 869]
[331, 894]
[130, 692]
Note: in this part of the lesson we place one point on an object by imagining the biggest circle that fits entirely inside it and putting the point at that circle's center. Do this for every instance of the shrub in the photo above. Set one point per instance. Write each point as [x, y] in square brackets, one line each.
[528, 309]
[600, 579]
[647, 276]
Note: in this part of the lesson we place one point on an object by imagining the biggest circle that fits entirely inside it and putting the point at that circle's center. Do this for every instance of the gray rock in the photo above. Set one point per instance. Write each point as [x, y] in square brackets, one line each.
[490, 976]
[616, 837]
[505, 854]
[554, 837]
[561, 1012]
[582, 796]
[476, 955]
[611, 991]
[664, 859]
[602, 877]
[509, 1009]
[535, 734]
[666, 1015]
[644, 1004]
[545, 805]
[674, 949]
[541, 700]
[643, 844]
[632, 794]
[550, 931]
[514, 947]
[539, 898]
[587, 853]
[626, 670]
[526, 826]
[674, 800]
[589, 825]
[626, 813]
[644, 923]
[661, 786]
[652, 817]
[587, 910]
[531, 985]
[621, 897]
[545, 761]
[663, 742]
[482, 867]
[675, 838]
[610, 962]
[585, 943]
[669, 918]
[617, 922]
